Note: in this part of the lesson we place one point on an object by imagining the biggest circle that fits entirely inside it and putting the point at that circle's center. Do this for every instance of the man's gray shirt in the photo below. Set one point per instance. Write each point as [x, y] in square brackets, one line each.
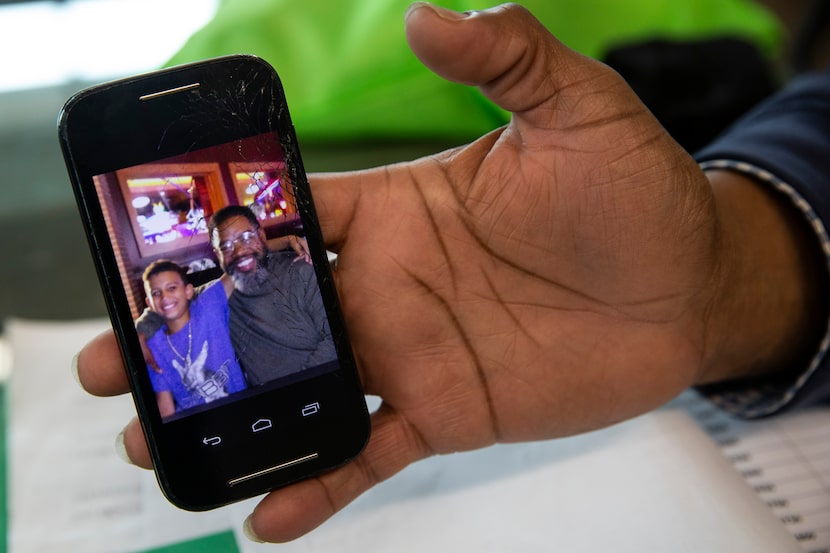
[281, 327]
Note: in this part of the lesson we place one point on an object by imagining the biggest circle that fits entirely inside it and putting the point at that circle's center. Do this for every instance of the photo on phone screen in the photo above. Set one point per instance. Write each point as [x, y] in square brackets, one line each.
[200, 236]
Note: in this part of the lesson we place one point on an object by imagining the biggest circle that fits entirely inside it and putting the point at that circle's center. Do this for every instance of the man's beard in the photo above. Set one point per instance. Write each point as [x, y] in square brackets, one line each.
[251, 281]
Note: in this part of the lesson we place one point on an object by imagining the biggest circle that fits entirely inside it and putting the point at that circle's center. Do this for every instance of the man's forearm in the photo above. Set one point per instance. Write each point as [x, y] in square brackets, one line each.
[148, 323]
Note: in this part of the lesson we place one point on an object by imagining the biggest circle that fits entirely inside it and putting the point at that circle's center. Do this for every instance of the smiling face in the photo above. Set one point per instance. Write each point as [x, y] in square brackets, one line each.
[169, 296]
[240, 247]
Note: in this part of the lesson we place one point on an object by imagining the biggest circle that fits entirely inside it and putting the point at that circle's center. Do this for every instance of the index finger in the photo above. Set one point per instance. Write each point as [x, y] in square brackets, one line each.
[99, 366]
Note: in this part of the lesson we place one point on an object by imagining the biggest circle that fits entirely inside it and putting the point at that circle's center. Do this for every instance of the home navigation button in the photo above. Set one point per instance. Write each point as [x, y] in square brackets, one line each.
[261, 424]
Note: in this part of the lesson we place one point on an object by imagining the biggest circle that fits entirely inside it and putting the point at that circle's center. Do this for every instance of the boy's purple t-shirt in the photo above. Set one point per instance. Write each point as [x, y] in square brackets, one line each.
[213, 371]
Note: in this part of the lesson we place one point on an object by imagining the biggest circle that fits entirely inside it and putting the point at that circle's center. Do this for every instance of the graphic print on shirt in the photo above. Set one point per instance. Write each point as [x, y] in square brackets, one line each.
[198, 379]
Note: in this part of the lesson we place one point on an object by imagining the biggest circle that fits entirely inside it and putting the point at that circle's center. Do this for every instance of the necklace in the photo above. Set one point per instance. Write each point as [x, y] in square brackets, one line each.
[184, 358]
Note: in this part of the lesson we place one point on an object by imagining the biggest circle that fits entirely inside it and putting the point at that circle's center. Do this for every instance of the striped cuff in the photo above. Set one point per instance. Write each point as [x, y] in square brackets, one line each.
[760, 399]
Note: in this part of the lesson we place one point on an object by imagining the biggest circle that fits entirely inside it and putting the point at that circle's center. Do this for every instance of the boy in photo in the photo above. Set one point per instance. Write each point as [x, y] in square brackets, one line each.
[195, 362]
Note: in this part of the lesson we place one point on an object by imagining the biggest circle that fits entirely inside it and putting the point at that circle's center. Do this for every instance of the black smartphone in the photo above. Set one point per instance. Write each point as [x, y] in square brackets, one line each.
[204, 236]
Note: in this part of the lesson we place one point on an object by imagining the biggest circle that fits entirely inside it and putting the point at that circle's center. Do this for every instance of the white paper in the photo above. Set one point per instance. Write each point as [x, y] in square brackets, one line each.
[656, 483]
[68, 491]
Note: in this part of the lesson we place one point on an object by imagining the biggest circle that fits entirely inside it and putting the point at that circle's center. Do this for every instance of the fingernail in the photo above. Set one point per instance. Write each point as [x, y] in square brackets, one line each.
[444, 13]
[248, 530]
[75, 368]
[121, 448]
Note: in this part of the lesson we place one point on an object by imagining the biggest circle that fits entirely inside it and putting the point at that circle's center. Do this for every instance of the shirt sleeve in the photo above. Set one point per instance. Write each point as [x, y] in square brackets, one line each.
[148, 323]
[785, 144]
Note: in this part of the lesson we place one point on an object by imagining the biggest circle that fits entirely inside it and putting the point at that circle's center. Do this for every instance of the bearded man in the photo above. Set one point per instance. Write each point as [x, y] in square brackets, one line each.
[278, 323]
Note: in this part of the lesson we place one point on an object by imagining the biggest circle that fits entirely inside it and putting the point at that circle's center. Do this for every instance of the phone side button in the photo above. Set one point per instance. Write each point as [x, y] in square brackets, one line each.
[242, 479]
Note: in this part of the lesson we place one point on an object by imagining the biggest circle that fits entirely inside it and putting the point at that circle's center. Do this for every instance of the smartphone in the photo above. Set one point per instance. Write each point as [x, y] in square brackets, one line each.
[188, 180]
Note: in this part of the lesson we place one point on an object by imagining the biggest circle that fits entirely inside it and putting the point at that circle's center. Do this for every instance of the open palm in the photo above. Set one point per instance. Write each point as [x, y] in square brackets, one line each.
[547, 279]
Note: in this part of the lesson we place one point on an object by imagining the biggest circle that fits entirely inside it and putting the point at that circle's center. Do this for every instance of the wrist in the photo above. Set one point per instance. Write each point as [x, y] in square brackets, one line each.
[769, 307]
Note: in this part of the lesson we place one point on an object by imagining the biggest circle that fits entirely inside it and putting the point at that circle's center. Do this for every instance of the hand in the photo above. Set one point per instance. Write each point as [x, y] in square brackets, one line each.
[297, 243]
[561, 274]
[300, 247]
[149, 358]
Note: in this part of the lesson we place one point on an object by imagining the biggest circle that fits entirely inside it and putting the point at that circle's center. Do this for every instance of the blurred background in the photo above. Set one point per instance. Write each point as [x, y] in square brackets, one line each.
[52, 49]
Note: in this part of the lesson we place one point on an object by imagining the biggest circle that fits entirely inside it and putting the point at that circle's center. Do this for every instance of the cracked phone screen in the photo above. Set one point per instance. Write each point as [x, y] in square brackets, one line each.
[213, 256]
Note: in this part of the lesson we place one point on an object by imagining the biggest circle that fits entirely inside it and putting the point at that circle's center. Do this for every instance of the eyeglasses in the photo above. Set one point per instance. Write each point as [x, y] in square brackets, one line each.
[245, 238]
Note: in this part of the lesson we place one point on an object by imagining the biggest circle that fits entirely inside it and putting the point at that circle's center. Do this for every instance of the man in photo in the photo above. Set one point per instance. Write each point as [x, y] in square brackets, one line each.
[278, 323]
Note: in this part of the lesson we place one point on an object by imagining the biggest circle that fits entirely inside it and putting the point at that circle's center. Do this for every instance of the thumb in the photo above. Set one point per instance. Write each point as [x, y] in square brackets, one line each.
[505, 51]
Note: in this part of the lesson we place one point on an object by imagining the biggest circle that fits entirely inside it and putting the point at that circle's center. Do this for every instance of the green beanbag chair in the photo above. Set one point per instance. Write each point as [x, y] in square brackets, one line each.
[348, 72]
